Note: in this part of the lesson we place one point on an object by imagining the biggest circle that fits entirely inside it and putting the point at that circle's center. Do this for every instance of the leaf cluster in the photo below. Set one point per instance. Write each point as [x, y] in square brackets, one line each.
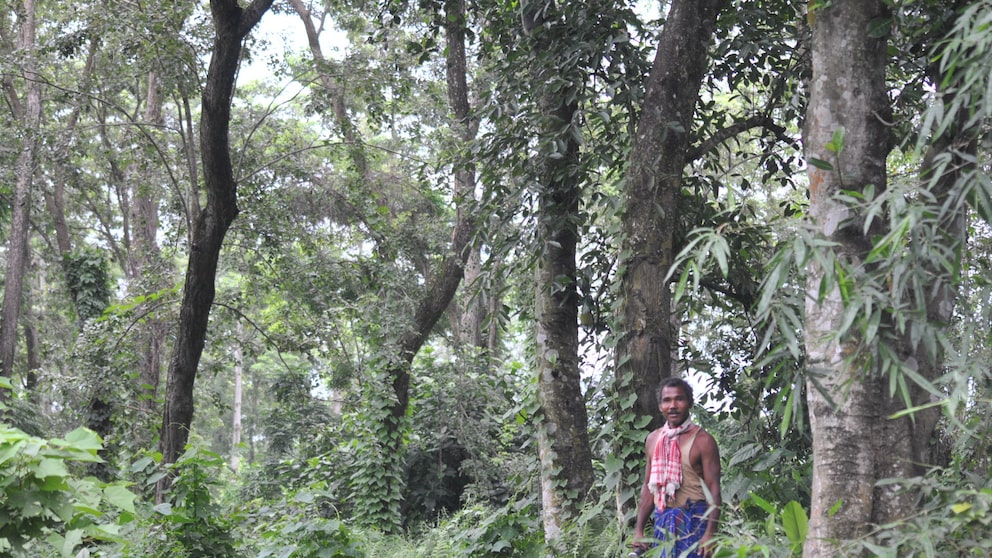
[44, 505]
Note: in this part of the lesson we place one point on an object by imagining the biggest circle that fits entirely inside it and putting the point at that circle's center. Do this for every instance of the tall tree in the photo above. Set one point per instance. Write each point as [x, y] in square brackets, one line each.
[652, 185]
[872, 393]
[232, 24]
[145, 267]
[846, 141]
[467, 319]
[441, 278]
[27, 109]
[562, 422]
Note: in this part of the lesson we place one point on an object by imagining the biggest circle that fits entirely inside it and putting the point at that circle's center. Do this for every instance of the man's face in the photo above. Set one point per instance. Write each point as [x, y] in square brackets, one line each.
[674, 405]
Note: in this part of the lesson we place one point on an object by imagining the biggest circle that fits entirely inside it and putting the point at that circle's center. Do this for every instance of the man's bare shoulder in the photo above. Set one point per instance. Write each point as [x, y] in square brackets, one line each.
[705, 441]
[653, 435]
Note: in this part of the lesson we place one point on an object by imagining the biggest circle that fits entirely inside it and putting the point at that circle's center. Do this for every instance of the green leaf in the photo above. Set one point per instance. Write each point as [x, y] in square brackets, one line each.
[84, 439]
[820, 164]
[141, 464]
[119, 496]
[72, 539]
[787, 415]
[9, 450]
[880, 27]
[796, 522]
[721, 250]
[836, 143]
[49, 467]
[835, 508]
[961, 507]
[762, 503]
[304, 497]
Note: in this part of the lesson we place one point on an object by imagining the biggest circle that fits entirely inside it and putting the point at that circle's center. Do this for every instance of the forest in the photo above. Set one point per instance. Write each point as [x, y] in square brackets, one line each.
[400, 279]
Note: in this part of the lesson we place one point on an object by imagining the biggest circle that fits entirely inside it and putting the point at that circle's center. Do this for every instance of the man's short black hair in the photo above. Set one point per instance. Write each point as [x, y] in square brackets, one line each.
[678, 383]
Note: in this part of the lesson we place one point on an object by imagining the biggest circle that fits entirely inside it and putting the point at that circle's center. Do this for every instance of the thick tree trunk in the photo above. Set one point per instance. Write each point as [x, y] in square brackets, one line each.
[232, 24]
[658, 157]
[562, 429]
[562, 420]
[29, 117]
[854, 442]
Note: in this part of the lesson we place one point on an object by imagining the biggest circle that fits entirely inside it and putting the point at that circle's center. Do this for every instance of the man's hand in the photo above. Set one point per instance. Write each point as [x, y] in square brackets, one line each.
[706, 546]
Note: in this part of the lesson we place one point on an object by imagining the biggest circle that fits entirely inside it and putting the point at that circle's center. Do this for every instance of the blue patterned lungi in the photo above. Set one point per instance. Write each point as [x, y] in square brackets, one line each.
[685, 524]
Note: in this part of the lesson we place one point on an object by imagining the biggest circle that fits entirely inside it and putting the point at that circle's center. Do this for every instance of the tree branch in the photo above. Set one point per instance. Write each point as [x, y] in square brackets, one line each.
[722, 135]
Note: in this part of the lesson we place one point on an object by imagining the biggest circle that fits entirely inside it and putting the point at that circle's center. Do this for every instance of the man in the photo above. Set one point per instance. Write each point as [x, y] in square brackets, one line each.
[682, 458]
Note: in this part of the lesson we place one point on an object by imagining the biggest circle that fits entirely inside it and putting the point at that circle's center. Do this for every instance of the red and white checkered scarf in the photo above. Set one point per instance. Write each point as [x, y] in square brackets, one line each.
[666, 465]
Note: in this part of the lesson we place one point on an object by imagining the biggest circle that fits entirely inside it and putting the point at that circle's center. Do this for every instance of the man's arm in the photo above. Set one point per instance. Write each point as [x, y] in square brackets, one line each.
[710, 456]
[645, 504]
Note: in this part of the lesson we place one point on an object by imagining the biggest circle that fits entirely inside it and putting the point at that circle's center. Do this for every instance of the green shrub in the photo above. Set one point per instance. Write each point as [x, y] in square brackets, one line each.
[513, 530]
[195, 524]
[302, 525]
[955, 518]
[44, 508]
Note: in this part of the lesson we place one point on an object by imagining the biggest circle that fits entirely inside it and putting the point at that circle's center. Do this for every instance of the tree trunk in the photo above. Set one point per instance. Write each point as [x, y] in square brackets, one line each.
[335, 91]
[100, 408]
[562, 429]
[239, 367]
[439, 290]
[854, 443]
[437, 296]
[29, 117]
[562, 420]
[659, 154]
[32, 346]
[232, 24]
[364, 179]
[146, 268]
[468, 322]
[957, 148]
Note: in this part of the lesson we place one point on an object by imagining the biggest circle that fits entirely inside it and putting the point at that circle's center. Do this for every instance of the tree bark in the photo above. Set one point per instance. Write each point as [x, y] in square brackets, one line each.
[443, 284]
[239, 367]
[659, 154]
[232, 24]
[467, 322]
[146, 268]
[562, 429]
[854, 444]
[945, 169]
[562, 420]
[32, 346]
[29, 116]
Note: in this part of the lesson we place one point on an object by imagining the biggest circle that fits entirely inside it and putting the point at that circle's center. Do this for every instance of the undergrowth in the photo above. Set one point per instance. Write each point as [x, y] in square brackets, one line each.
[203, 516]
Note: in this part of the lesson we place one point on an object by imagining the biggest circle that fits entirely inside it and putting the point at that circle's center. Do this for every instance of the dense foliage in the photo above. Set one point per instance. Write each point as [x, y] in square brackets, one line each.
[351, 181]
